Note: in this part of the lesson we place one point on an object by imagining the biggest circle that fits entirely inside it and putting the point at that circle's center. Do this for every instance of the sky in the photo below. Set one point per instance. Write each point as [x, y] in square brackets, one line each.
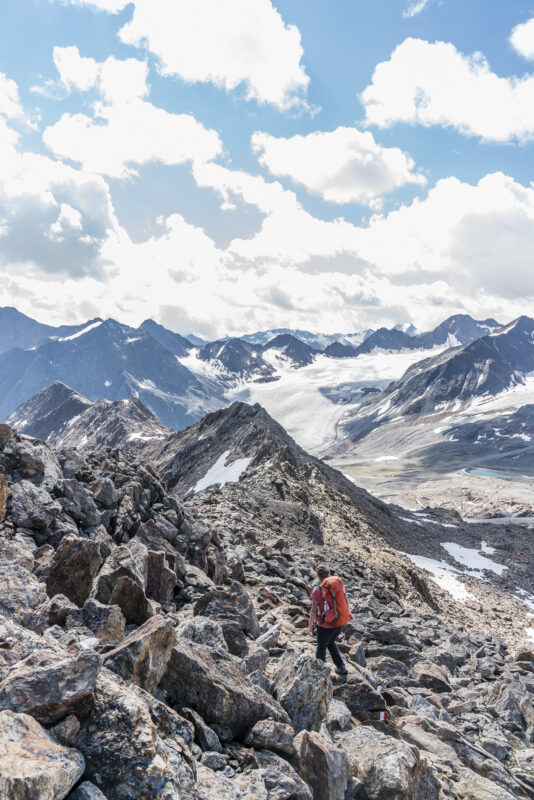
[228, 166]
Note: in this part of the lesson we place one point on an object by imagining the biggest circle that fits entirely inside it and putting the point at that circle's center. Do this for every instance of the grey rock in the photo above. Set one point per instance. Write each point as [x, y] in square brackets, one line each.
[304, 689]
[271, 735]
[86, 791]
[106, 622]
[73, 568]
[33, 764]
[143, 655]
[31, 506]
[323, 766]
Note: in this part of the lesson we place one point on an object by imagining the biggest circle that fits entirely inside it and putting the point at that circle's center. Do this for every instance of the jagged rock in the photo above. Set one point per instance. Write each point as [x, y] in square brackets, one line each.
[304, 689]
[73, 568]
[217, 786]
[270, 638]
[161, 580]
[104, 493]
[281, 780]
[5, 494]
[86, 791]
[234, 637]
[19, 591]
[503, 703]
[32, 763]
[50, 613]
[210, 683]
[338, 718]
[18, 550]
[475, 787]
[359, 696]
[324, 767]
[205, 736]
[256, 659]
[131, 599]
[79, 503]
[430, 676]
[119, 731]
[49, 685]
[128, 561]
[143, 655]
[31, 506]
[388, 769]
[272, 735]
[234, 605]
[32, 459]
[202, 631]
[106, 622]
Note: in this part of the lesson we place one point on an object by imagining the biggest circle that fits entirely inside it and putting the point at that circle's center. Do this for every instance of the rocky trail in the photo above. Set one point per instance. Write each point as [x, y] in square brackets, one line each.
[153, 639]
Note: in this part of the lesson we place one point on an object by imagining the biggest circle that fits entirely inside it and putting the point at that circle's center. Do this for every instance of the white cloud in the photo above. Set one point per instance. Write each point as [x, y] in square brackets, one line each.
[125, 129]
[9, 97]
[415, 7]
[111, 6]
[434, 84]
[226, 42]
[522, 39]
[342, 166]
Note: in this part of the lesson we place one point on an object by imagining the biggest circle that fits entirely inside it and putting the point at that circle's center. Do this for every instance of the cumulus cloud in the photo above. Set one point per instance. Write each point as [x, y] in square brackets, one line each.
[229, 43]
[341, 166]
[522, 39]
[434, 84]
[125, 129]
[111, 6]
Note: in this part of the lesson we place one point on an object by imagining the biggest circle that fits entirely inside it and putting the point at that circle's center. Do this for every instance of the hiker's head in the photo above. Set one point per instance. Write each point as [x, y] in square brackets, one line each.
[322, 571]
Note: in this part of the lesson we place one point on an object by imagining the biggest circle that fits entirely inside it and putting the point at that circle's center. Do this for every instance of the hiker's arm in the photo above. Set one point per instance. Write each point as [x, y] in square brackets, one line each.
[313, 617]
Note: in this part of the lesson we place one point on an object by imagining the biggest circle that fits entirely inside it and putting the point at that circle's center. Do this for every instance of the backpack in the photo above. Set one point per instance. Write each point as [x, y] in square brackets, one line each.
[336, 610]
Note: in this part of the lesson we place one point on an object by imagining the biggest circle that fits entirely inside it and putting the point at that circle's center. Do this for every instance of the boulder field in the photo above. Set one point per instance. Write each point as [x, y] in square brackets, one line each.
[155, 648]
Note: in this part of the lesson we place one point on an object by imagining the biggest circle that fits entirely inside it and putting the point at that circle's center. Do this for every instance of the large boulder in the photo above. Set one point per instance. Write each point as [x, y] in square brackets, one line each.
[360, 698]
[50, 685]
[210, 682]
[129, 561]
[303, 688]
[389, 769]
[143, 655]
[32, 763]
[430, 676]
[32, 506]
[78, 502]
[202, 631]
[32, 459]
[234, 605]
[161, 580]
[323, 766]
[73, 569]
[132, 601]
[124, 755]
[86, 791]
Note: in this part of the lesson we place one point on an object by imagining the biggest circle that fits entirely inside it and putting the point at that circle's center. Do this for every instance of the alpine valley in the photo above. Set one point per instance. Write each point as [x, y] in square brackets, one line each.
[163, 504]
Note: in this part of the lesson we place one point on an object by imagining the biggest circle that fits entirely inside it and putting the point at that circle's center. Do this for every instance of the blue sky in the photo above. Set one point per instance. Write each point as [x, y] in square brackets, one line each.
[229, 165]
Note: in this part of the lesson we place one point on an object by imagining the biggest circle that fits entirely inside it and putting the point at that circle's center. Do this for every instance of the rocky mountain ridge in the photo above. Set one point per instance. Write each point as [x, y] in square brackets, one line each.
[155, 647]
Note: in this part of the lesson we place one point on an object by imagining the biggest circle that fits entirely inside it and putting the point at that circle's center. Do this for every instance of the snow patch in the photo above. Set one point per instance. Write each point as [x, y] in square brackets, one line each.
[444, 575]
[223, 473]
[82, 332]
[472, 559]
[387, 458]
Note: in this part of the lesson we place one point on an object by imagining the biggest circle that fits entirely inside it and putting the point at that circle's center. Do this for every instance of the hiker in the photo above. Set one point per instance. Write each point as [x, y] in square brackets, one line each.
[331, 612]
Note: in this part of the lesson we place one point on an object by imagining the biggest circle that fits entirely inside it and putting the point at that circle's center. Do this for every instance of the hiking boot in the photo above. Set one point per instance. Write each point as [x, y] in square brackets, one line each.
[342, 671]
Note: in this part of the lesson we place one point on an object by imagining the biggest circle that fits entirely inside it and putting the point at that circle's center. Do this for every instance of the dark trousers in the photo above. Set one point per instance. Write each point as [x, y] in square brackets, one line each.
[326, 639]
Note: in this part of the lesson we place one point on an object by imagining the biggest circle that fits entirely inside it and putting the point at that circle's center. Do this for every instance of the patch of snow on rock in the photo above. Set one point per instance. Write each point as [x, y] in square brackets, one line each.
[222, 473]
[443, 574]
[472, 559]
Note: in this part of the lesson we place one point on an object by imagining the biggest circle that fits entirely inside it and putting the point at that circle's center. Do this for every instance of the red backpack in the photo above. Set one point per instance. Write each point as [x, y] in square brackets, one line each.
[336, 610]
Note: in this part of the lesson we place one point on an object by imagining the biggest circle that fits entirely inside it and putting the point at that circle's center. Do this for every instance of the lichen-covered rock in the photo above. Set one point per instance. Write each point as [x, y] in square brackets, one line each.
[143, 655]
[272, 735]
[323, 766]
[128, 561]
[119, 732]
[303, 688]
[202, 631]
[339, 716]
[73, 568]
[32, 763]
[234, 605]
[431, 676]
[78, 502]
[210, 682]
[280, 779]
[86, 791]
[388, 769]
[51, 685]
[20, 591]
